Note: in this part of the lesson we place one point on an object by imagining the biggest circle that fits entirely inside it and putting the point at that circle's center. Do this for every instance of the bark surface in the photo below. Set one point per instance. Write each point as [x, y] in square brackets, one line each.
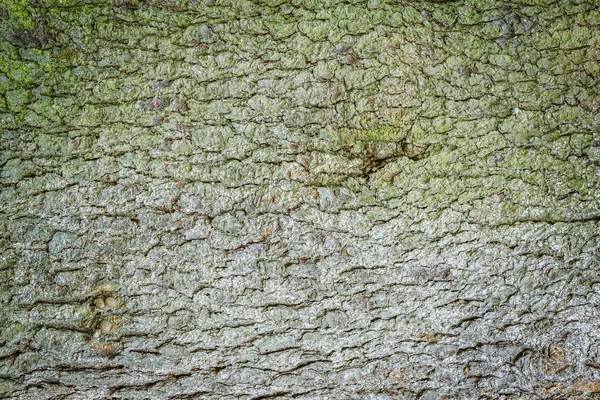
[308, 199]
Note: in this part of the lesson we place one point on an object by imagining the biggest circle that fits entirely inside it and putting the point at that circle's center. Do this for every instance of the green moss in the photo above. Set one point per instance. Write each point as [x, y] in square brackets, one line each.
[279, 26]
[22, 15]
[16, 99]
[19, 13]
[65, 56]
[19, 72]
[412, 15]
[316, 31]
[33, 119]
[65, 3]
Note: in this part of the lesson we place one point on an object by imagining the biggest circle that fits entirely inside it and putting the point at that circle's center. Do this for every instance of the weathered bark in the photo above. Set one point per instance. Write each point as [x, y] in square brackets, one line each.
[307, 199]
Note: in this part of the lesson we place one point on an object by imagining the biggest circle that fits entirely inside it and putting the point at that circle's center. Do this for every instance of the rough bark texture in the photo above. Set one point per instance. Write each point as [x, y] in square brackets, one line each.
[231, 199]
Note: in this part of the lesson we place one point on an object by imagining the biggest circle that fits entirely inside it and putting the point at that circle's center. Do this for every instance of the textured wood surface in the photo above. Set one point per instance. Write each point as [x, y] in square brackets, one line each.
[306, 199]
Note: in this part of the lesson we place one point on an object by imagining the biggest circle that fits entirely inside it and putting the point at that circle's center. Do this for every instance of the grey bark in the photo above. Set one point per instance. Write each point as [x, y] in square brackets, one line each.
[306, 199]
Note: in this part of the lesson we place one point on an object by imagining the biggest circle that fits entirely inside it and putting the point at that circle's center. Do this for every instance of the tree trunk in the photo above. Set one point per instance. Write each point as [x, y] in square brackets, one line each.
[229, 199]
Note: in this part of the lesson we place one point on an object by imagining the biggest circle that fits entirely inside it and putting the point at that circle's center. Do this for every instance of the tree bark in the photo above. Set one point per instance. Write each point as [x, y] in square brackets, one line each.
[229, 199]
